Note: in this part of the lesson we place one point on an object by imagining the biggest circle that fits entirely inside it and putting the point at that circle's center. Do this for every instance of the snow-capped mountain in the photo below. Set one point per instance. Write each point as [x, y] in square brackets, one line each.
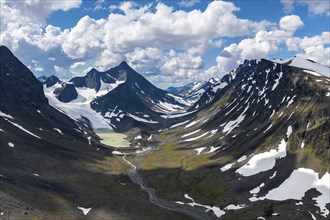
[214, 90]
[264, 138]
[193, 91]
[119, 98]
[180, 90]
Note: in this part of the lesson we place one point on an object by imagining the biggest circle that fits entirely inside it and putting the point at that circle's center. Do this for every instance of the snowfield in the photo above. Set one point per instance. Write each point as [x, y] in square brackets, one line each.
[80, 107]
[309, 66]
[307, 179]
[265, 161]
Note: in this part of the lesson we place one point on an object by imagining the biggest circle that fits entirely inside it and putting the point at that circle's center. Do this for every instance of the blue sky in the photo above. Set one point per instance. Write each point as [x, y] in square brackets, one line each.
[169, 42]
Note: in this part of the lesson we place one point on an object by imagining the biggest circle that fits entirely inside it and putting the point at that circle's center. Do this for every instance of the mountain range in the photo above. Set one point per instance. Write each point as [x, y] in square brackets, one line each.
[119, 99]
[252, 145]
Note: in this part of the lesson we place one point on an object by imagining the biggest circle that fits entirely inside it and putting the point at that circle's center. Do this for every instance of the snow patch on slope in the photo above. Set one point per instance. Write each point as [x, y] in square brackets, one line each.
[265, 161]
[84, 210]
[307, 179]
[5, 116]
[231, 125]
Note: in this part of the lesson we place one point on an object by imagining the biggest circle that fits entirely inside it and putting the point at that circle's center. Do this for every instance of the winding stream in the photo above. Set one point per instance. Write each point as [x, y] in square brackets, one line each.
[136, 177]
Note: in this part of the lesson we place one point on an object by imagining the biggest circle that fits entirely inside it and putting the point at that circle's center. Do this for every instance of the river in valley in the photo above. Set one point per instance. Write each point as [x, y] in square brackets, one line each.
[119, 140]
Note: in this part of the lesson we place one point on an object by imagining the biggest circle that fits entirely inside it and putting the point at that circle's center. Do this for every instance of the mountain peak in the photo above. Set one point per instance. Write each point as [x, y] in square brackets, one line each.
[5, 51]
[17, 82]
[42, 79]
[94, 78]
[124, 64]
[92, 72]
[52, 80]
[124, 71]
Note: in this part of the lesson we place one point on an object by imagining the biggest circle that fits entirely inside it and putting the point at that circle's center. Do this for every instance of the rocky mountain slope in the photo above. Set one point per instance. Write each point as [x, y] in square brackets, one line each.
[258, 148]
[53, 166]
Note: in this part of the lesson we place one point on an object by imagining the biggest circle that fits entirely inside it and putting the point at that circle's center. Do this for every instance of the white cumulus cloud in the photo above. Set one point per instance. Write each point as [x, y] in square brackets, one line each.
[297, 43]
[318, 54]
[291, 23]
[315, 7]
[188, 3]
[39, 10]
[77, 65]
[260, 46]
[165, 44]
[85, 39]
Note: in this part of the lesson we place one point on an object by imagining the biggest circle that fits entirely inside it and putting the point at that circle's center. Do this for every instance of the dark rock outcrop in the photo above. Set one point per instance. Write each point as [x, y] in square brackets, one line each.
[66, 92]
[52, 80]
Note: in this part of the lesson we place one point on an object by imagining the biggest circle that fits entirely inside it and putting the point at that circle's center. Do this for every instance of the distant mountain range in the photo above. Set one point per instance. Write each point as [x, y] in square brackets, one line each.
[193, 91]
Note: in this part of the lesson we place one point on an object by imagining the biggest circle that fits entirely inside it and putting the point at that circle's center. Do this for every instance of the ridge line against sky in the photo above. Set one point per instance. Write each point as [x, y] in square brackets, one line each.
[169, 42]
